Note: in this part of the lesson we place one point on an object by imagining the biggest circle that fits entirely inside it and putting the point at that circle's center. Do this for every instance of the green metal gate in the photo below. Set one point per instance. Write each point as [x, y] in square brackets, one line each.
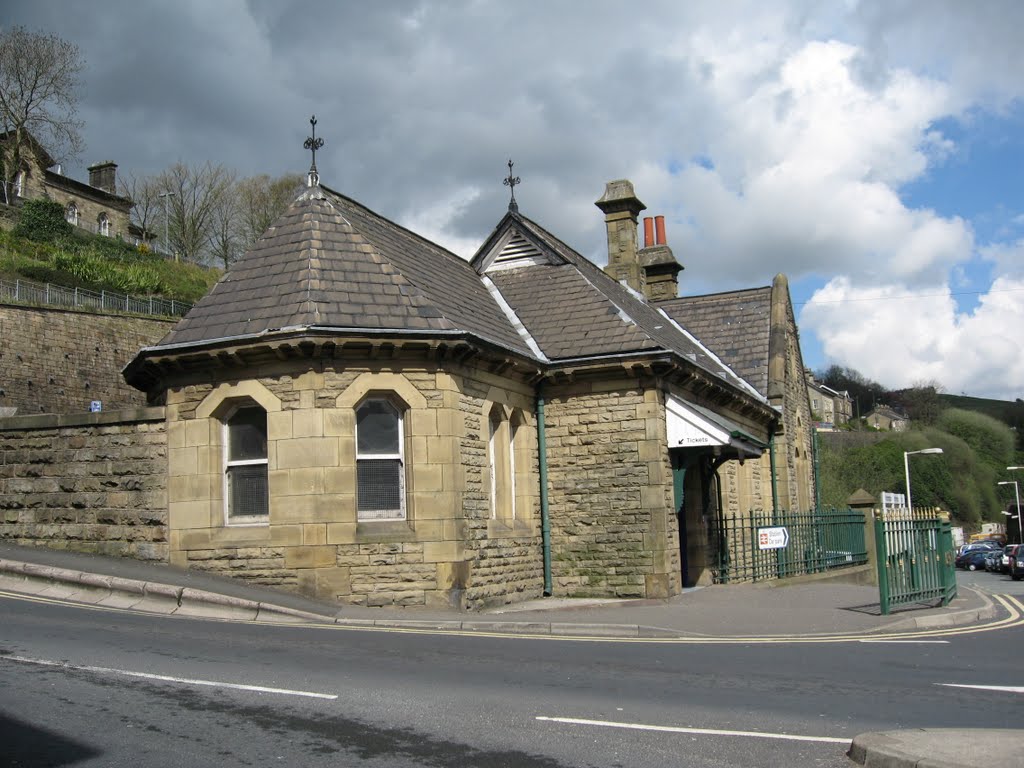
[915, 557]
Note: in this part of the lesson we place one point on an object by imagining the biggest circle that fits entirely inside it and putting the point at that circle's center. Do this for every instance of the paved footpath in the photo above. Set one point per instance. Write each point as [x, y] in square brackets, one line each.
[798, 612]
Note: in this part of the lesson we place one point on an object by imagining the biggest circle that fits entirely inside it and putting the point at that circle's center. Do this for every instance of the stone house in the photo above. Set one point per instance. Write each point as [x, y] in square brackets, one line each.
[830, 406]
[358, 413]
[886, 419]
[96, 206]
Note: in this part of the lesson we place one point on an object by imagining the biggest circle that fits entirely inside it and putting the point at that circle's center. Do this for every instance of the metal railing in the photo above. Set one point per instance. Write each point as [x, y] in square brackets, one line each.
[45, 294]
[816, 541]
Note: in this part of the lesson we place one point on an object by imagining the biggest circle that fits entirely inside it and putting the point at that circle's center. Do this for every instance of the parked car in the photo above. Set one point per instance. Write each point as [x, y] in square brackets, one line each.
[973, 560]
[994, 561]
[980, 546]
[1008, 551]
[1016, 569]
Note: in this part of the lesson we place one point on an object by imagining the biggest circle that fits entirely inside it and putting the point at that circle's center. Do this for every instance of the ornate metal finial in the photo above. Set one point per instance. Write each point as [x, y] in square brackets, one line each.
[313, 144]
[510, 182]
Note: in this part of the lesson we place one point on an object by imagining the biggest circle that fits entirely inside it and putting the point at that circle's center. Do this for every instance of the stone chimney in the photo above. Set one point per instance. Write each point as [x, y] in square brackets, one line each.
[659, 265]
[104, 176]
[621, 209]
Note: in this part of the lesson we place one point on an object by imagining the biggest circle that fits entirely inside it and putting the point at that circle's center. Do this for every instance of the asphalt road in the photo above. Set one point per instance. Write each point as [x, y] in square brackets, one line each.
[94, 688]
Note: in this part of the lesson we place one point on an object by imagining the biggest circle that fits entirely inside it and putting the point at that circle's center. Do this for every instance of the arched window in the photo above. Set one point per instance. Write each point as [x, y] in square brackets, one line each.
[103, 225]
[245, 465]
[71, 214]
[380, 461]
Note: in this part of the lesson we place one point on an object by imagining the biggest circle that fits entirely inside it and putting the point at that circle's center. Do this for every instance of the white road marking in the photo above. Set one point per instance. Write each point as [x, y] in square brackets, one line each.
[700, 731]
[908, 642]
[1007, 688]
[169, 679]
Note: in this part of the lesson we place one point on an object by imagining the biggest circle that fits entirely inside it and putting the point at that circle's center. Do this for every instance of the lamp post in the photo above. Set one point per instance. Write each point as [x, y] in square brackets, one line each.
[1016, 495]
[906, 468]
[165, 195]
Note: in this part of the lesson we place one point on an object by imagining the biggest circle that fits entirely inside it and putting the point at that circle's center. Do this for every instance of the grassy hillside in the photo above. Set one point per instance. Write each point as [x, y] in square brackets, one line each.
[1008, 411]
[82, 260]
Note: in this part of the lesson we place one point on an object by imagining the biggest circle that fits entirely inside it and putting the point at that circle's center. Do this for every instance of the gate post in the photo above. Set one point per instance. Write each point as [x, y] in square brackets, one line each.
[882, 559]
[863, 502]
[947, 558]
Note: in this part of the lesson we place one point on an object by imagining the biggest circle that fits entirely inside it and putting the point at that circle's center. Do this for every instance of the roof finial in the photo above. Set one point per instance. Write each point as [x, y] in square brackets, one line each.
[313, 144]
[510, 182]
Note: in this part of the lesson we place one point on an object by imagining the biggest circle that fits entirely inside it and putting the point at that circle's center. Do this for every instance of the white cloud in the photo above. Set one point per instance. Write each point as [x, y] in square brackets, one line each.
[899, 337]
[775, 137]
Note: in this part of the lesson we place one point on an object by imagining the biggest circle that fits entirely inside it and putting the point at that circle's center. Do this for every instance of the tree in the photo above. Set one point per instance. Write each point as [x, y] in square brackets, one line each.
[147, 206]
[39, 80]
[194, 194]
[261, 200]
[921, 402]
[224, 239]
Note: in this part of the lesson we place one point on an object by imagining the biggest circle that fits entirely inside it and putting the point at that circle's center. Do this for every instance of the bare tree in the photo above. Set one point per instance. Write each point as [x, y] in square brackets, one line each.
[39, 79]
[224, 240]
[261, 200]
[147, 206]
[193, 195]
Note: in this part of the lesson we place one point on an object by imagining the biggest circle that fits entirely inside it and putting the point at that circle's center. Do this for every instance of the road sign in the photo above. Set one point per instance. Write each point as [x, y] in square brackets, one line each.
[776, 537]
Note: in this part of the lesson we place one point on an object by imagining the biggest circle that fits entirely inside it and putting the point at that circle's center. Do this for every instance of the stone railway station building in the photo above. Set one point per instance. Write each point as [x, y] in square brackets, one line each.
[356, 413]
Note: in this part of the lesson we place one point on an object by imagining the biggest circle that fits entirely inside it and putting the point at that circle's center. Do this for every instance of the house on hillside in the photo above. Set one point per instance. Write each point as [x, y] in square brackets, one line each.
[95, 207]
[830, 407]
[887, 419]
[357, 413]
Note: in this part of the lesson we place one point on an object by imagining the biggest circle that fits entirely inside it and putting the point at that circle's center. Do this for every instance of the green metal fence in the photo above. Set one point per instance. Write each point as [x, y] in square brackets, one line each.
[816, 541]
[915, 557]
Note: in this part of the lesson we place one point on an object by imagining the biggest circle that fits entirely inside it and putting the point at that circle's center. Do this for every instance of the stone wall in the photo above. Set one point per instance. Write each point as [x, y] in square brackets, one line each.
[91, 483]
[59, 361]
[447, 552]
[613, 527]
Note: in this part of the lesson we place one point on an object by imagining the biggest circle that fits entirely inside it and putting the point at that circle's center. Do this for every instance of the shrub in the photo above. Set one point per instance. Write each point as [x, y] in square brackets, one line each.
[42, 220]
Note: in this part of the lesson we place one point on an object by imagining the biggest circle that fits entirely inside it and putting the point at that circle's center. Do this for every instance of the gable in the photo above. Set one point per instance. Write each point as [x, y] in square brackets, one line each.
[510, 248]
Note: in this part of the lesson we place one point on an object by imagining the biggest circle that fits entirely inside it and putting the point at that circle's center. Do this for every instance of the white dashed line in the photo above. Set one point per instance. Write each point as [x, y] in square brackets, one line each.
[169, 679]
[699, 731]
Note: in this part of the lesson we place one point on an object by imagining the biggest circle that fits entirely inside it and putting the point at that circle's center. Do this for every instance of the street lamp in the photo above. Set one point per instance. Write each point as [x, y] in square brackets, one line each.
[1016, 495]
[165, 195]
[906, 468]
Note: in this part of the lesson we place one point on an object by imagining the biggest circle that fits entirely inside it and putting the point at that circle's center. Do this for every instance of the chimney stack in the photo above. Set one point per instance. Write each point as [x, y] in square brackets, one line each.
[621, 209]
[659, 265]
[104, 176]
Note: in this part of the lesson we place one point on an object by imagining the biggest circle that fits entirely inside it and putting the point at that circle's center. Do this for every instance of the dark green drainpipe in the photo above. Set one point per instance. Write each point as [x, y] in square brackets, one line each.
[545, 521]
[771, 458]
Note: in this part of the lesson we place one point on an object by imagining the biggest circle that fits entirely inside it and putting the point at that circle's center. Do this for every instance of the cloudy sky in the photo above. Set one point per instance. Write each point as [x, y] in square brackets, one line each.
[871, 151]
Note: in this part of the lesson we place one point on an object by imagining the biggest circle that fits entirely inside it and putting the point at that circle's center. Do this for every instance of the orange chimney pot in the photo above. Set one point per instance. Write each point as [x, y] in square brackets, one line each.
[648, 231]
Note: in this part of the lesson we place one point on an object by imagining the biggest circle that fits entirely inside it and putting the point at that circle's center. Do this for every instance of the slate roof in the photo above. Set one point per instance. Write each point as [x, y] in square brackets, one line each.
[735, 325]
[329, 262]
[575, 310]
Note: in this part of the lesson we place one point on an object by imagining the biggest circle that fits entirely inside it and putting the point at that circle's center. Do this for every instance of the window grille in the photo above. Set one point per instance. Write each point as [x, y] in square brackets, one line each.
[247, 489]
[380, 465]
